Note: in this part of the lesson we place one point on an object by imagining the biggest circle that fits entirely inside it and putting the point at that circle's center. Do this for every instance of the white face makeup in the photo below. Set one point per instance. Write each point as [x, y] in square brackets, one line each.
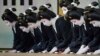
[95, 23]
[32, 25]
[24, 29]
[8, 23]
[65, 10]
[46, 22]
[77, 22]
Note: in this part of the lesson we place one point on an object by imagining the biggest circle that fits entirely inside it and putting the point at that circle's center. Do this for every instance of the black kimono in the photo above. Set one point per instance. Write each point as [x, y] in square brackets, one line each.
[64, 33]
[17, 37]
[38, 38]
[78, 36]
[77, 31]
[11, 17]
[94, 44]
[26, 40]
[88, 34]
[49, 37]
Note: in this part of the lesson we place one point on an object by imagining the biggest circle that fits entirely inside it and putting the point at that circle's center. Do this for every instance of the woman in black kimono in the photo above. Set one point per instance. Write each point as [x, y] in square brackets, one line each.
[31, 19]
[10, 19]
[91, 14]
[63, 26]
[75, 16]
[27, 39]
[49, 37]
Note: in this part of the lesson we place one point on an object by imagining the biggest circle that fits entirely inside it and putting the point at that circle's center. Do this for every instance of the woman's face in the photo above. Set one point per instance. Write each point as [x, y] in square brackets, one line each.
[32, 25]
[76, 22]
[24, 29]
[65, 10]
[8, 23]
[46, 22]
[95, 23]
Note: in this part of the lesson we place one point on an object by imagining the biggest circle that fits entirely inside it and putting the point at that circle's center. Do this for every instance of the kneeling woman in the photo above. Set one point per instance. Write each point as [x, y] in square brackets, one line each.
[10, 19]
[49, 36]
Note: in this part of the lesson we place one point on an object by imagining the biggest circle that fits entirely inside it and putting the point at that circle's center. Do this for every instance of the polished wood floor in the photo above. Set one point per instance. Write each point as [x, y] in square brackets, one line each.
[40, 54]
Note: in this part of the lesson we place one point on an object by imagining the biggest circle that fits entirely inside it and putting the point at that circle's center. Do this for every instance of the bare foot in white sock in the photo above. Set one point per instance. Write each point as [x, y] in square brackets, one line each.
[31, 51]
[97, 52]
[66, 51]
[45, 51]
[53, 50]
[83, 50]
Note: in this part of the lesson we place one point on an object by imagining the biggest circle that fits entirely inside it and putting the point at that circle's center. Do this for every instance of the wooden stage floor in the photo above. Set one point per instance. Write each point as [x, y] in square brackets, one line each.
[41, 54]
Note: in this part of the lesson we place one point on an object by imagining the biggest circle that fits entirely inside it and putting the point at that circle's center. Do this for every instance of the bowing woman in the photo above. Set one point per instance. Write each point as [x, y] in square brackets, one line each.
[63, 26]
[91, 14]
[10, 19]
[31, 19]
[74, 15]
[47, 29]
